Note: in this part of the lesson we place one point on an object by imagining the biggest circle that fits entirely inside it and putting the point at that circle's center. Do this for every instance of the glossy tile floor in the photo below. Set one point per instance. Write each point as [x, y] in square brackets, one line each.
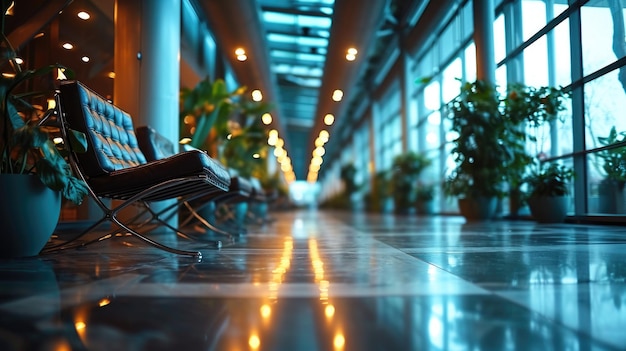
[314, 280]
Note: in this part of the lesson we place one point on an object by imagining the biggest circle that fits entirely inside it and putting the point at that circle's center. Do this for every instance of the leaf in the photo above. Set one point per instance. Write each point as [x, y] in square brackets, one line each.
[75, 190]
[52, 176]
[78, 141]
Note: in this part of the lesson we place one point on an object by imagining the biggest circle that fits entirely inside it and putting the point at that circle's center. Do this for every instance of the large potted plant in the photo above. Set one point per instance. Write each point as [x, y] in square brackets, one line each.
[486, 145]
[547, 191]
[34, 174]
[380, 196]
[226, 125]
[407, 168]
[527, 109]
[611, 188]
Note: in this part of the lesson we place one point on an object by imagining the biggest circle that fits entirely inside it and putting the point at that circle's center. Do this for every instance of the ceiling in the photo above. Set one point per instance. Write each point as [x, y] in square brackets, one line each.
[297, 57]
[296, 52]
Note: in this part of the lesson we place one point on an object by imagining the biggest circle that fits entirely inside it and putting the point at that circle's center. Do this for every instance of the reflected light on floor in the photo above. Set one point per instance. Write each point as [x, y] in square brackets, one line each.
[254, 342]
[339, 341]
[329, 311]
[266, 311]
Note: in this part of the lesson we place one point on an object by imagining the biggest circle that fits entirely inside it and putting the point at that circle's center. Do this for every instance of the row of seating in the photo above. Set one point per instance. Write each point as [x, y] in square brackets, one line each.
[241, 190]
[118, 166]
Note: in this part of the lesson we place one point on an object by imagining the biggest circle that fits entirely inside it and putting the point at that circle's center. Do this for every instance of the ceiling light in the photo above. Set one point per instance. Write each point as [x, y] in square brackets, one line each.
[266, 118]
[351, 54]
[337, 95]
[111, 75]
[19, 60]
[83, 15]
[329, 119]
[257, 95]
[256, 155]
[85, 59]
[324, 135]
[241, 54]
[68, 46]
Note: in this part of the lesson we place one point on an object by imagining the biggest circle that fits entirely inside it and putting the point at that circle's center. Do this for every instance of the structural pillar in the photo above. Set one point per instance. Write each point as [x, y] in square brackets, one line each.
[147, 67]
[484, 16]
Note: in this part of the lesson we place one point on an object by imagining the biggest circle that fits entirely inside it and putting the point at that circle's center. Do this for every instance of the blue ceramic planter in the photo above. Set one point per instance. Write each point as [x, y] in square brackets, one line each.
[30, 213]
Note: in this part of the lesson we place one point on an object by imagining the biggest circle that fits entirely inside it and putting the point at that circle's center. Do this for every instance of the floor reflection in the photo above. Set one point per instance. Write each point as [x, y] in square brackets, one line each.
[314, 280]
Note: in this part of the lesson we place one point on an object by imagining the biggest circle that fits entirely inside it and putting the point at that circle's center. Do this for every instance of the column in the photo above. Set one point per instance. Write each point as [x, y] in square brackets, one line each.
[147, 67]
[484, 16]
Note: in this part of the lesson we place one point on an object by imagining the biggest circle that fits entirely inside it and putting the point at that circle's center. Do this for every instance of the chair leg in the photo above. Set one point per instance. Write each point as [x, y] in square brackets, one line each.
[155, 216]
[111, 215]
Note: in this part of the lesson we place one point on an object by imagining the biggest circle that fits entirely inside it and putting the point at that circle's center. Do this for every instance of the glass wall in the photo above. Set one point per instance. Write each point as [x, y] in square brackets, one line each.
[578, 45]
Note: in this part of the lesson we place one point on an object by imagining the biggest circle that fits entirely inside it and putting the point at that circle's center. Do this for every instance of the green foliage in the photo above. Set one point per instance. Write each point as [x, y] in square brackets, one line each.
[407, 168]
[348, 176]
[549, 179]
[482, 148]
[25, 144]
[226, 124]
[613, 160]
[490, 150]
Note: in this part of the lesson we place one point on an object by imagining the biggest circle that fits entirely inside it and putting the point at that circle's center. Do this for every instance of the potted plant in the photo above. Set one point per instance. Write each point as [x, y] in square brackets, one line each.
[227, 125]
[350, 185]
[611, 188]
[547, 191]
[483, 150]
[406, 169]
[424, 197]
[380, 198]
[528, 109]
[33, 172]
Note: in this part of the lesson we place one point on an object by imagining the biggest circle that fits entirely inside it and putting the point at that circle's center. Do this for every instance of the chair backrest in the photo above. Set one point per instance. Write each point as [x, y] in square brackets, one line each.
[112, 144]
[154, 145]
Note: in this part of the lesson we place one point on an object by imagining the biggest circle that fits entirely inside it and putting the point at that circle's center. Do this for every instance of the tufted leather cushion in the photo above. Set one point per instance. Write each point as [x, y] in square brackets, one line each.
[156, 147]
[109, 130]
[114, 164]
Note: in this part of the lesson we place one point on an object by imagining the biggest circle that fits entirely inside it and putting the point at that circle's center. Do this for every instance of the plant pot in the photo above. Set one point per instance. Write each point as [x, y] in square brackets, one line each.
[30, 213]
[548, 209]
[478, 209]
[425, 207]
[611, 197]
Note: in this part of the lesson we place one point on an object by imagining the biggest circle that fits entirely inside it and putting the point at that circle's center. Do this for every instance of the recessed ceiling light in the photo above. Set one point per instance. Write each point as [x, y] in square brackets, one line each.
[85, 58]
[19, 60]
[241, 54]
[257, 95]
[83, 15]
[266, 118]
[337, 95]
[68, 46]
[329, 119]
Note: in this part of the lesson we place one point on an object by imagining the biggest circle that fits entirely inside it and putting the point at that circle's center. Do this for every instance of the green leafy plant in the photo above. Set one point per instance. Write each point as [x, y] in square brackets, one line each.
[613, 160]
[406, 170]
[25, 143]
[424, 192]
[491, 147]
[482, 150]
[226, 124]
[549, 179]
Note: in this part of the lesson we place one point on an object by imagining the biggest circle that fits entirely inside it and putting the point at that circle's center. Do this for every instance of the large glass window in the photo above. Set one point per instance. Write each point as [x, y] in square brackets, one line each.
[388, 127]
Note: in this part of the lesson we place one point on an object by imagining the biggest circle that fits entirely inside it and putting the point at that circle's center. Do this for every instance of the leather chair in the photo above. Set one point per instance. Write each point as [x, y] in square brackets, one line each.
[114, 166]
